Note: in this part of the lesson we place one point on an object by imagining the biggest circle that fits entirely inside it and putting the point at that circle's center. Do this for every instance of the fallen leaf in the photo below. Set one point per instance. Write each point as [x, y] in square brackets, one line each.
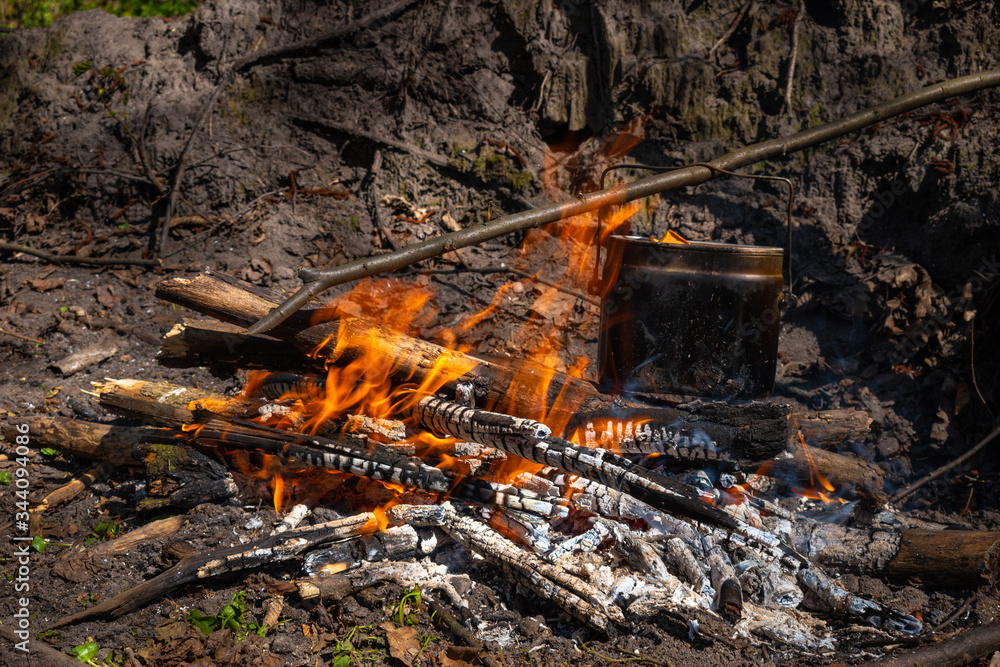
[404, 644]
[46, 284]
[173, 629]
[106, 296]
[460, 656]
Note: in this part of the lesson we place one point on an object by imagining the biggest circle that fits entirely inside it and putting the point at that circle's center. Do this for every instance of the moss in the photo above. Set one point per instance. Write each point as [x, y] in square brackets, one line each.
[817, 115]
[521, 181]
[241, 97]
[166, 458]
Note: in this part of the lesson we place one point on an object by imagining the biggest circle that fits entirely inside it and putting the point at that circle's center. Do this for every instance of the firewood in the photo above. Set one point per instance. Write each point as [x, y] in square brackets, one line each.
[96, 442]
[175, 476]
[153, 530]
[67, 492]
[527, 439]
[947, 557]
[967, 558]
[849, 474]
[548, 581]
[213, 343]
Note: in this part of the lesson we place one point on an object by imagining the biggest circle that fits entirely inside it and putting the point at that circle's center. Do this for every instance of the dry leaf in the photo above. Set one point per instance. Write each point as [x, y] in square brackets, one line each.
[404, 643]
[46, 284]
[460, 656]
[106, 296]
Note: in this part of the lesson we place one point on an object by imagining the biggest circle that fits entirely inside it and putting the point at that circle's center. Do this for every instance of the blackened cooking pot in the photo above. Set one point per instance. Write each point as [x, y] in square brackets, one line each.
[697, 319]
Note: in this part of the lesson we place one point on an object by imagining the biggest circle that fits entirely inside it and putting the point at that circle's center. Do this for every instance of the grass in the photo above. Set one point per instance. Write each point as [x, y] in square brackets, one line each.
[40, 13]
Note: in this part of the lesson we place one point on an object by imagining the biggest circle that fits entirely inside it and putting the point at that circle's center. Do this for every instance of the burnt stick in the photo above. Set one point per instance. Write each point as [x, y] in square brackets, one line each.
[380, 463]
[199, 567]
[525, 439]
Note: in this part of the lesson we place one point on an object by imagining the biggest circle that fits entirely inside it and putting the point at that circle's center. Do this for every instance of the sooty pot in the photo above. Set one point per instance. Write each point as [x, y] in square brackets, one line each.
[697, 319]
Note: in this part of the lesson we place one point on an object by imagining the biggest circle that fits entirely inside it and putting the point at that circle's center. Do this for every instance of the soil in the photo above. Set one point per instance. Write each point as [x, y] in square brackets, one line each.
[896, 240]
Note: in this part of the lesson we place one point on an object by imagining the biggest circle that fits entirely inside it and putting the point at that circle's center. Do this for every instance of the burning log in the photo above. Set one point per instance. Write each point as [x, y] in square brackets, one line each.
[751, 433]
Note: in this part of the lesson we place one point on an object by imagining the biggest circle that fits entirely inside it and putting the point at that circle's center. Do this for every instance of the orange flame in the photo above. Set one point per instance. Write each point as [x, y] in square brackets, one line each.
[820, 488]
[365, 371]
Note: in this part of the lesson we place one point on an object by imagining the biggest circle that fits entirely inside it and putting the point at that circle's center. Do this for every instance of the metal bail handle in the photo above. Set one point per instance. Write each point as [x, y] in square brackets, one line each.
[596, 282]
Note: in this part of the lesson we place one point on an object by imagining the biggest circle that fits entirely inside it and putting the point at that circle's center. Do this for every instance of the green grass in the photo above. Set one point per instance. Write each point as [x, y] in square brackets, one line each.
[40, 13]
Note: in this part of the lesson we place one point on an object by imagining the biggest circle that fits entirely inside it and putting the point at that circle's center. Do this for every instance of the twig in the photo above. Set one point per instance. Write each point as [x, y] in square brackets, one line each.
[318, 281]
[972, 364]
[963, 649]
[945, 468]
[794, 56]
[73, 259]
[732, 28]
[615, 661]
[372, 195]
[27, 338]
[955, 614]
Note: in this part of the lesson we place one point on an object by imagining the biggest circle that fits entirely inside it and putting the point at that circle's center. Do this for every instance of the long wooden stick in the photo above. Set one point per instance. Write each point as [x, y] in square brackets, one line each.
[317, 281]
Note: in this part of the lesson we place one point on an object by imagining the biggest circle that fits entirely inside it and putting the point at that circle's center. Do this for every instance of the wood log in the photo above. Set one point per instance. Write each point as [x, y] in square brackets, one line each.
[213, 343]
[959, 558]
[947, 557]
[175, 476]
[850, 476]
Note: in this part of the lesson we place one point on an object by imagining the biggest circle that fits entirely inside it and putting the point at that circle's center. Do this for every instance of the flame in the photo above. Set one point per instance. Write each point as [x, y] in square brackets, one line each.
[820, 487]
[671, 237]
[368, 326]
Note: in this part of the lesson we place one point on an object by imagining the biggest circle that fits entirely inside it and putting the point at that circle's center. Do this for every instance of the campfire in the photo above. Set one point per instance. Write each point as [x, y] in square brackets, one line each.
[589, 434]
[613, 509]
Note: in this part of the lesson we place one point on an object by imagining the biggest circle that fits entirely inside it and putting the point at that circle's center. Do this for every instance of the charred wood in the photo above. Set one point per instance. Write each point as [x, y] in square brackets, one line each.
[213, 343]
[271, 550]
[547, 580]
[527, 439]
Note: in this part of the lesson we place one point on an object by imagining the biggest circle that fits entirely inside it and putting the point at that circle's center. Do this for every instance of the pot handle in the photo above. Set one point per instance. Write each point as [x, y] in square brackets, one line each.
[595, 283]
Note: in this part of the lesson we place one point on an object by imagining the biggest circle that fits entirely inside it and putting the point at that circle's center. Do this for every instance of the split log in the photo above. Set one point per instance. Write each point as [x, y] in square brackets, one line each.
[213, 343]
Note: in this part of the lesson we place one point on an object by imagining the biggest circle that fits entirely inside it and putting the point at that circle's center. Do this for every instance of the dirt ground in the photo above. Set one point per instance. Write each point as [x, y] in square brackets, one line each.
[474, 109]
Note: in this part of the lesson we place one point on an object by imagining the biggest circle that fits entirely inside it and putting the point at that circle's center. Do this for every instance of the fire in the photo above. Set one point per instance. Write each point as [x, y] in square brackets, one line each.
[379, 316]
[819, 487]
